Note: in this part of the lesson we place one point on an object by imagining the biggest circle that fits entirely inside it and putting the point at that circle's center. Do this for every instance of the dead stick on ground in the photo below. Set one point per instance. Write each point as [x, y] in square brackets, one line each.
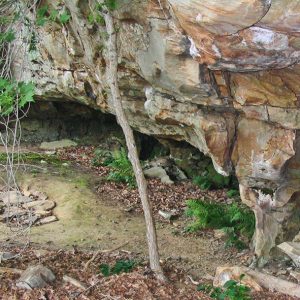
[193, 281]
[74, 282]
[102, 251]
[10, 270]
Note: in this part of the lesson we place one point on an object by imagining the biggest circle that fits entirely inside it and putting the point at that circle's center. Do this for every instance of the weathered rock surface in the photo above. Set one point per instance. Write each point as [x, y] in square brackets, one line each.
[65, 143]
[158, 172]
[35, 277]
[222, 76]
[292, 249]
[33, 209]
[256, 280]
[13, 198]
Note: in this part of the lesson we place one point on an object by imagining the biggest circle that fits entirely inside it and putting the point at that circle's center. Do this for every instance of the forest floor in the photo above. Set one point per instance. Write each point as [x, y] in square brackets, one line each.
[94, 214]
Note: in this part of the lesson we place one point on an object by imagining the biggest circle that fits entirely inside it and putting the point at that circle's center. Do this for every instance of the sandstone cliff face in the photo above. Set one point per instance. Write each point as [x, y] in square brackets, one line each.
[221, 75]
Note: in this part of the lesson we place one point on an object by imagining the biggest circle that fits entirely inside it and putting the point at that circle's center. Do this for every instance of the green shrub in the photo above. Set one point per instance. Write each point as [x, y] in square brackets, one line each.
[236, 220]
[121, 266]
[232, 290]
[121, 169]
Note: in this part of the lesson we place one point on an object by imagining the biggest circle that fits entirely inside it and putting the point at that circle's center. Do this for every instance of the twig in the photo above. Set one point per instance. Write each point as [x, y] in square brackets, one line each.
[74, 282]
[10, 270]
[192, 280]
[102, 251]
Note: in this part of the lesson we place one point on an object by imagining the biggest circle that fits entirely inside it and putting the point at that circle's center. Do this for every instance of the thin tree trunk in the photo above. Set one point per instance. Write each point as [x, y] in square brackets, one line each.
[132, 150]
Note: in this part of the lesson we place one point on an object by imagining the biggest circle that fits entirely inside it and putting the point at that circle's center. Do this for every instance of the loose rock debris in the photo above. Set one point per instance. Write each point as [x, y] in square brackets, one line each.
[26, 208]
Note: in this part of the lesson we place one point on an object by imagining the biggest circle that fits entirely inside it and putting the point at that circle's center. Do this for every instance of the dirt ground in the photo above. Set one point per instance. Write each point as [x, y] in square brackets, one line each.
[89, 221]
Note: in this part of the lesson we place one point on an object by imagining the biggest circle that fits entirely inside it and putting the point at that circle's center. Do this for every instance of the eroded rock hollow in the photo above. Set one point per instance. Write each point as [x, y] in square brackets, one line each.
[223, 76]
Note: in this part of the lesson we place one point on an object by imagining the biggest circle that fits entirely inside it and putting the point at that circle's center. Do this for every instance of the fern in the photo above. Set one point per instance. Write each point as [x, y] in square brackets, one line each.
[211, 179]
[235, 219]
[121, 266]
[121, 169]
[207, 215]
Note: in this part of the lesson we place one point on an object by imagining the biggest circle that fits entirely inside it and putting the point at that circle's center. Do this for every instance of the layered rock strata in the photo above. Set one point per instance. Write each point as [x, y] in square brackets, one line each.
[223, 76]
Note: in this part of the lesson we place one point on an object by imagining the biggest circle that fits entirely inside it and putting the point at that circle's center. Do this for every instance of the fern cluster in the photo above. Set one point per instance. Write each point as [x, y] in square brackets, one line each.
[235, 219]
[121, 169]
[121, 266]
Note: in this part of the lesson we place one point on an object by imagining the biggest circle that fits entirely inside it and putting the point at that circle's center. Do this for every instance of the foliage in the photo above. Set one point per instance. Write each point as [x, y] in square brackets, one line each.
[232, 193]
[235, 219]
[122, 170]
[102, 158]
[14, 94]
[232, 290]
[95, 15]
[7, 37]
[46, 14]
[121, 266]
[211, 179]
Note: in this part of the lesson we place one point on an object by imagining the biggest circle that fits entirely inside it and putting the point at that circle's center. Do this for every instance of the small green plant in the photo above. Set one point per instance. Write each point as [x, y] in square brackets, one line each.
[121, 266]
[121, 169]
[7, 37]
[235, 219]
[102, 158]
[14, 95]
[211, 179]
[232, 290]
[232, 193]
[95, 16]
[46, 14]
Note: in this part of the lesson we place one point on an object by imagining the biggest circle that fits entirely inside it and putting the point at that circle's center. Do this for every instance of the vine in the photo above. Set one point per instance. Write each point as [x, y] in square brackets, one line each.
[16, 30]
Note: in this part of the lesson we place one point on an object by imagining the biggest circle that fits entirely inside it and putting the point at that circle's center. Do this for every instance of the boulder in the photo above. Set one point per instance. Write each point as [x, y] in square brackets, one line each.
[14, 198]
[256, 280]
[40, 205]
[292, 249]
[36, 277]
[160, 173]
[47, 220]
[65, 143]
[7, 256]
[223, 274]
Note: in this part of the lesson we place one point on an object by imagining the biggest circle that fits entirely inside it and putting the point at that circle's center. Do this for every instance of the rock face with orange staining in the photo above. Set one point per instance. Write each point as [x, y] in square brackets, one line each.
[221, 75]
